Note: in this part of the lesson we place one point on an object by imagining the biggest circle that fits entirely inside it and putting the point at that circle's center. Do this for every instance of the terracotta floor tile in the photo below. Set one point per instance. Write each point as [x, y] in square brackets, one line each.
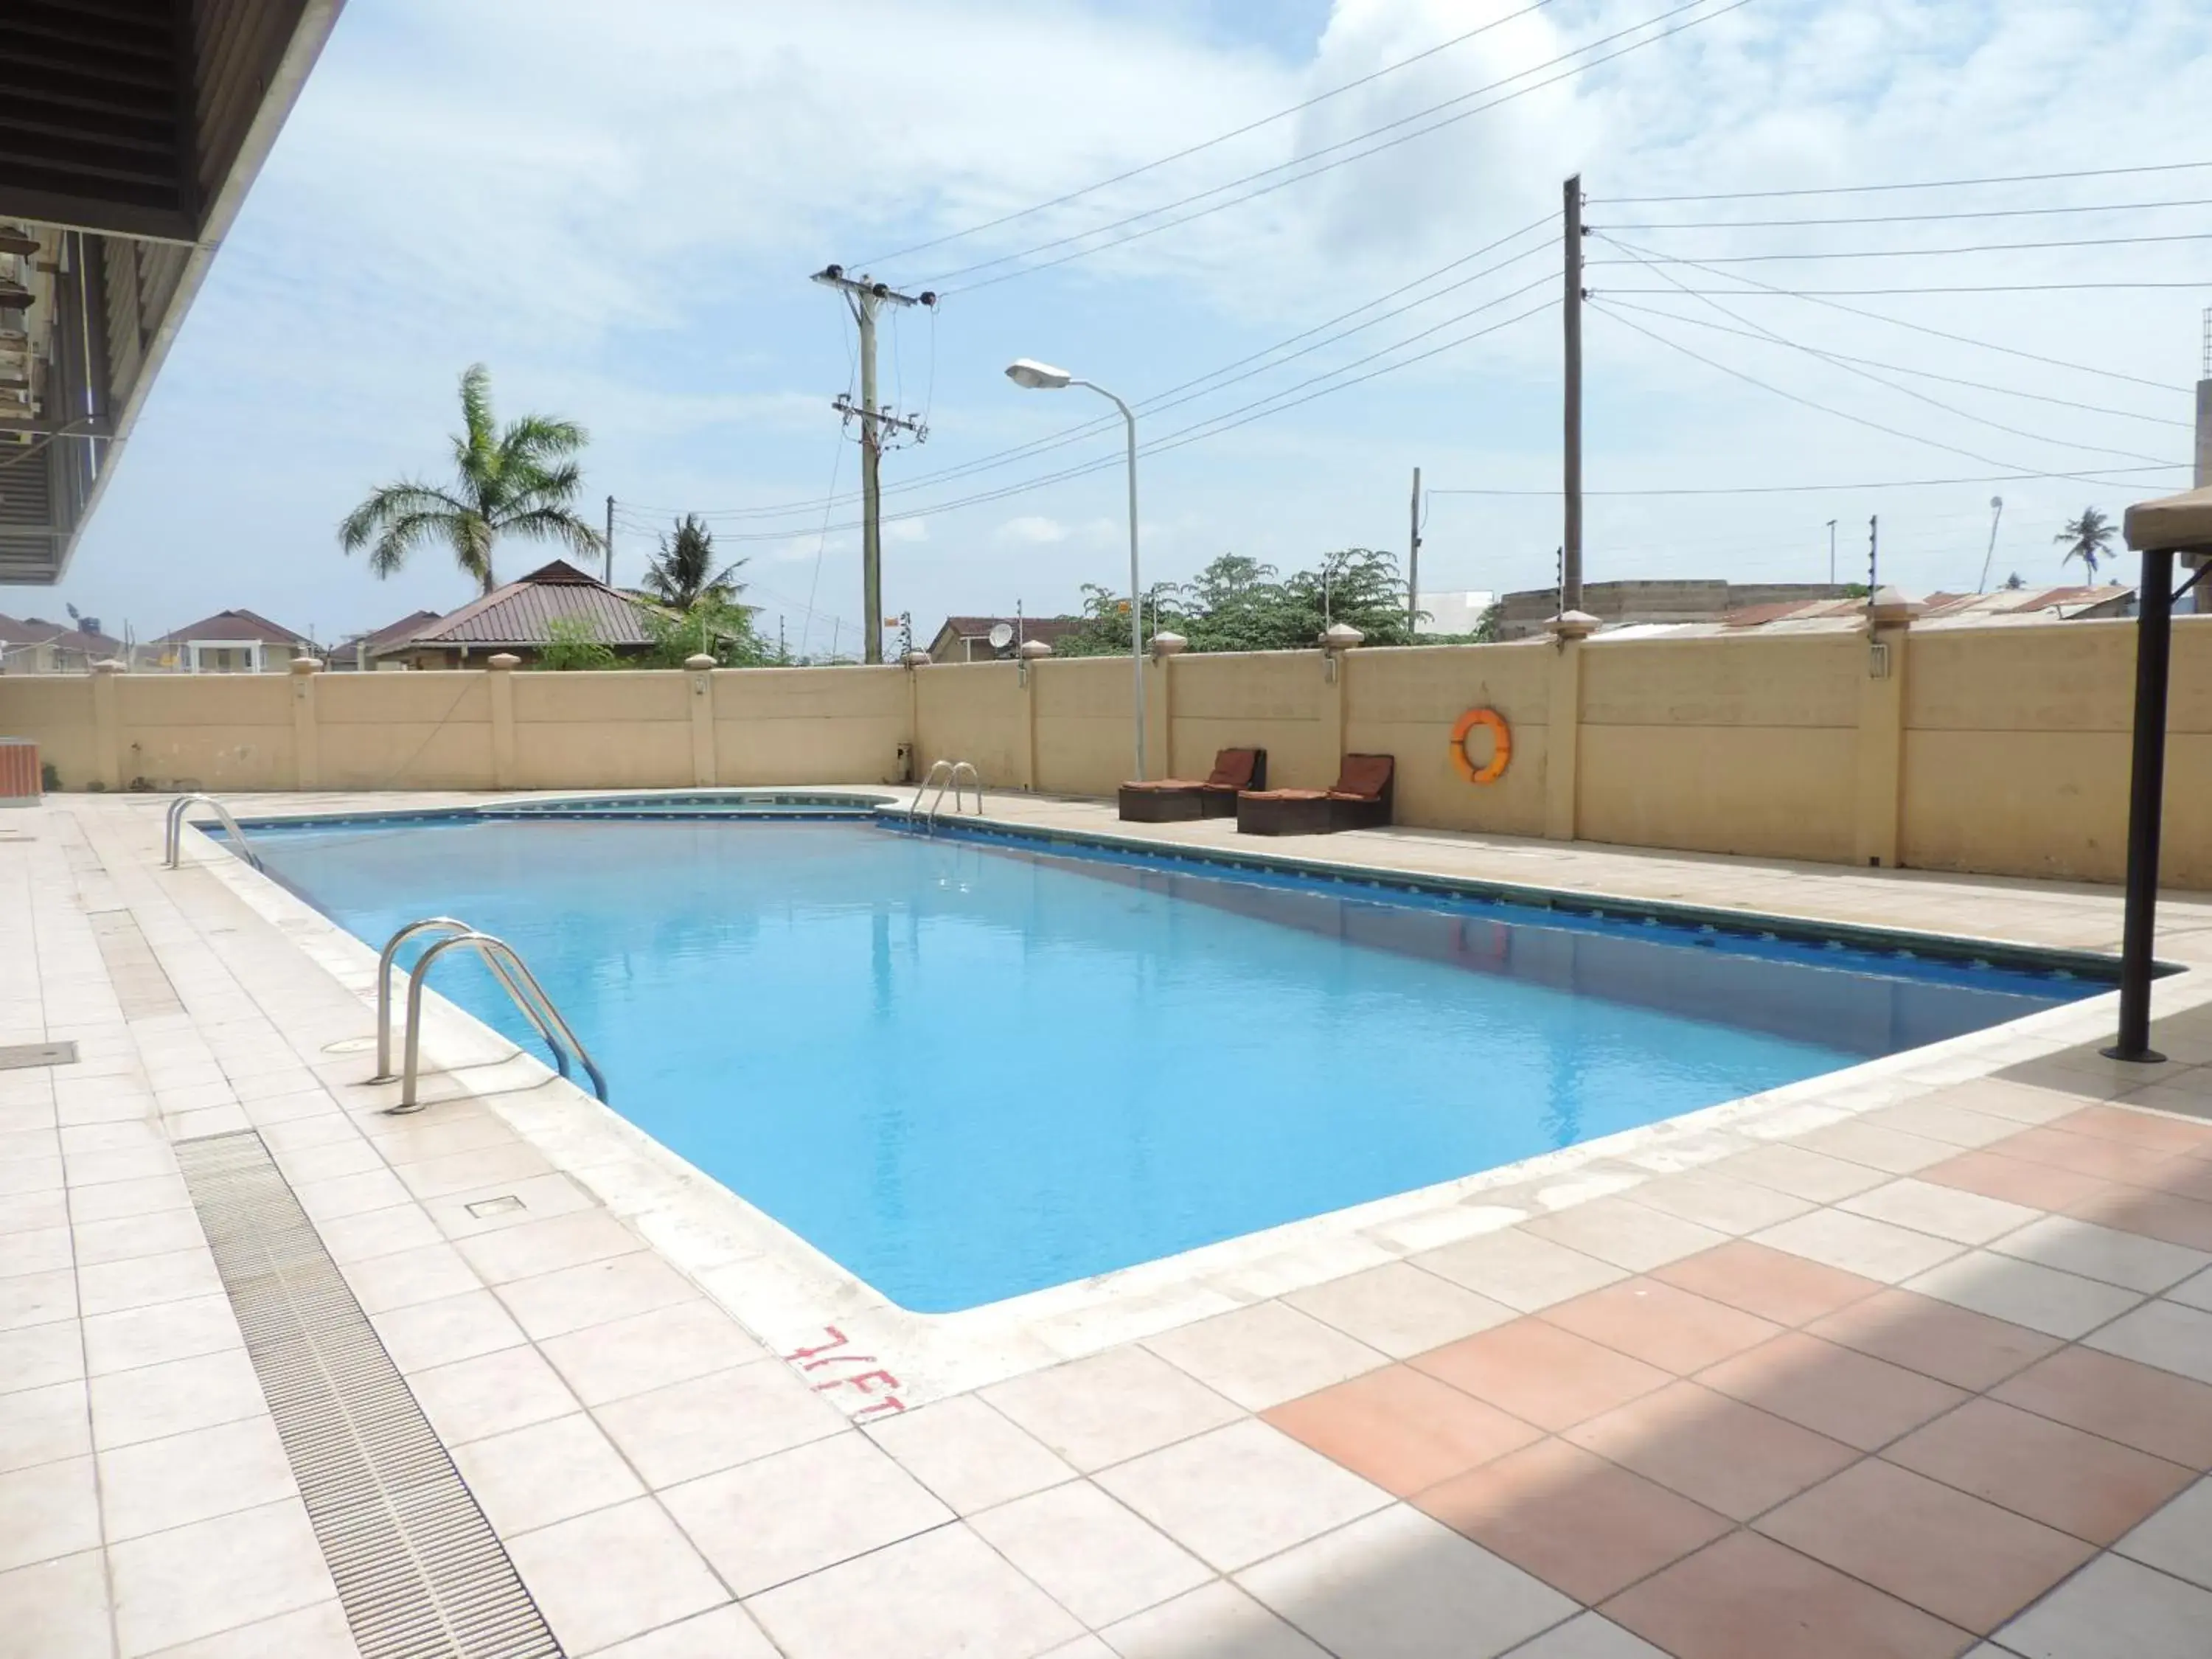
[2170, 1216]
[1401, 1429]
[2017, 1179]
[1542, 1374]
[2080, 1483]
[1747, 1597]
[2114, 1160]
[2153, 1411]
[1724, 1454]
[2194, 1182]
[1947, 1553]
[1579, 1523]
[1953, 1345]
[1661, 1325]
[2163, 1135]
[1773, 1284]
[1836, 1391]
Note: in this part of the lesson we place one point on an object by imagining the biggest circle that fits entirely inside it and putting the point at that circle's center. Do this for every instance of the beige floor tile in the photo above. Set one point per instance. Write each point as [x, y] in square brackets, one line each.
[378, 1232]
[237, 1570]
[56, 1609]
[2103, 1253]
[491, 1393]
[968, 1455]
[23, 1212]
[532, 1477]
[796, 1512]
[2113, 1606]
[42, 1250]
[945, 1595]
[1859, 1244]
[158, 1234]
[1110, 1407]
[129, 1164]
[316, 1632]
[1718, 1201]
[1948, 1212]
[2178, 1537]
[717, 1421]
[470, 1171]
[37, 1299]
[327, 1160]
[453, 1328]
[1518, 1268]
[352, 1195]
[548, 1246]
[1589, 1637]
[2042, 1298]
[1262, 1355]
[540, 1196]
[613, 1574]
[44, 1424]
[40, 1356]
[1626, 1235]
[553, 1305]
[174, 1397]
[31, 1175]
[1398, 1585]
[115, 1200]
[408, 1277]
[2163, 1334]
[154, 1485]
[142, 1281]
[649, 1351]
[1239, 1494]
[728, 1633]
[1219, 1622]
[1800, 1172]
[1091, 1555]
[47, 1510]
[1400, 1309]
[163, 1331]
[1933, 1118]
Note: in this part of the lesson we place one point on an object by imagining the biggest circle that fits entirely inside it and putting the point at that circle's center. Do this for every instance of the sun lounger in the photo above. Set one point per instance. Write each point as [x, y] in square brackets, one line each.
[1173, 800]
[1360, 800]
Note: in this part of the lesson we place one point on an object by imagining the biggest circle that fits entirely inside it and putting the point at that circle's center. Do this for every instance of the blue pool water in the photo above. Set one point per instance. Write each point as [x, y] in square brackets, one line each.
[965, 1070]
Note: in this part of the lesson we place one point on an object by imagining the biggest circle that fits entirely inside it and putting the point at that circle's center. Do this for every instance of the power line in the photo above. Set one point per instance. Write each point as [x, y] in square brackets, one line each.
[1927, 184]
[1856, 420]
[939, 280]
[1210, 143]
[1933, 253]
[1911, 218]
[1987, 288]
[1923, 374]
[1806, 489]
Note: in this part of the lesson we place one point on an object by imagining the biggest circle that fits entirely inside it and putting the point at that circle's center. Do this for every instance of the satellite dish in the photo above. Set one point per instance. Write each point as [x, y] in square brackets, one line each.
[1002, 636]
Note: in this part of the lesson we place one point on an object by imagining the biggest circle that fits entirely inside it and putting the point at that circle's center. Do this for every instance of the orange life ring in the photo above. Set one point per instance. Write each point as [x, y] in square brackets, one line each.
[1500, 754]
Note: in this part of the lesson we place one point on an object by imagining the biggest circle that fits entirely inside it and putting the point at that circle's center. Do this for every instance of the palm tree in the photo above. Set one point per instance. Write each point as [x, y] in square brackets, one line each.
[685, 575]
[2089, 538]
[517, 480]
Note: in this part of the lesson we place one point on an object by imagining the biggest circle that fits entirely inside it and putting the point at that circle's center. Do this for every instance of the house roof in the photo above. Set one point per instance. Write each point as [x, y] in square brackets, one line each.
[2004, 607]
[391, 634]
[522, 612]
[1027, 628]
[37, 631]
[241, 627]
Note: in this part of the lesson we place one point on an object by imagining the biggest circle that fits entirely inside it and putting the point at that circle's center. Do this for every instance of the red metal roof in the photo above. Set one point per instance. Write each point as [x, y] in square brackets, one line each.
[522, 612]
[242, 626]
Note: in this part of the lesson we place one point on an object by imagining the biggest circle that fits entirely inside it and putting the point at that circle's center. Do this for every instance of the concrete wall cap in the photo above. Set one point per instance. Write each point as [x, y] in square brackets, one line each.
[1340, 637]
[2178, 524]
[306, 665]
[1035, 648]
[1168, 645]
[1891, 604]
[699, 660]
[505, 659]
[1573, 624]
[111, 666]
[917, 659]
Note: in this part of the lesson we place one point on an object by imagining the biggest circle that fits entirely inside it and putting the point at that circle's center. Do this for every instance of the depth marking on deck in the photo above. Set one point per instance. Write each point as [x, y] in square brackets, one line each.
[861, 1382]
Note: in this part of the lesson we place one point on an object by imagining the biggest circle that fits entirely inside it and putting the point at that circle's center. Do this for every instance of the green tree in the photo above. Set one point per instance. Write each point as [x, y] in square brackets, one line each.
[574, 642]
[518, 480]
[683, 572]
[2088, 538]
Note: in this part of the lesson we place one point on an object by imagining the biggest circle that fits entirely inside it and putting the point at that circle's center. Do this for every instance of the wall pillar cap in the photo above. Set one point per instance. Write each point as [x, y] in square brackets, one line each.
[1033, 649]
[1891, 608]
[503, 659]
[305, 665]
[1573, 625]
[699, 660]
[917, 659]
[1165, 645]
[1340, 637]
[111, 666]
[2172, 524]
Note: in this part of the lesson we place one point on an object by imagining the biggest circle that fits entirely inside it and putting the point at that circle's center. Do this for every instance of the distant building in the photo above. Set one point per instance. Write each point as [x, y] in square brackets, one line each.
[228, 642]
[521, 618]
[2003, 607]
[361, 651]
[1455, 613]
[35, 645]
[969, 638]
[1627, 603]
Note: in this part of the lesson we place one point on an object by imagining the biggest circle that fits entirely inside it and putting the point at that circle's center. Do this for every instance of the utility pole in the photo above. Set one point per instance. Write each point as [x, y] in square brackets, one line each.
[865, 297]
[1413, 564]
[1832, 552]
[1571, 550]
[1874, 557]
[1997, 514]
[610, 549]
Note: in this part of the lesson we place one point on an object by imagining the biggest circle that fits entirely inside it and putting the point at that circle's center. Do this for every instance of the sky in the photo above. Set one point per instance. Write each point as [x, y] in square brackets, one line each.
[616, 209]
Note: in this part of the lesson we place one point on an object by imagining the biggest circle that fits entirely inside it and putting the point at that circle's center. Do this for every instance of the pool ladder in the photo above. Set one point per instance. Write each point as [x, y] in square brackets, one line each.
[507, 967]
[947, 775]
[173, 832]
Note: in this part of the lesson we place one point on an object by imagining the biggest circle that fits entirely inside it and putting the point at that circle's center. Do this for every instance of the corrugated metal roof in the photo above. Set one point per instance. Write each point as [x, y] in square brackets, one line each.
[522, 612]
[233, 625]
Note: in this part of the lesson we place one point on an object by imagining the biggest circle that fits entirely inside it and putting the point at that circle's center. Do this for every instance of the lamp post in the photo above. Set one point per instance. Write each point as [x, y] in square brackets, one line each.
[1033, 376]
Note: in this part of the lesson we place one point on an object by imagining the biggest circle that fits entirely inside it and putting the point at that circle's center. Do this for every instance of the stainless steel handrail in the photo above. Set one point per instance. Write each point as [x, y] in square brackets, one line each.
[384, 961]
[930, 777]
[173, 832]
[516, 975]
[953, 771]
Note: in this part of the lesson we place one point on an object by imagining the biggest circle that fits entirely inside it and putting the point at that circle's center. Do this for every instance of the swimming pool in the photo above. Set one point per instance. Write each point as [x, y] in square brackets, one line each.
[965, 1067]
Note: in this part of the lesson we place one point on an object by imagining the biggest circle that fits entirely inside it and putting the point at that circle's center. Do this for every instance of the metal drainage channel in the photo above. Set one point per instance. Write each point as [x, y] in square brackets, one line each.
[419, 1570]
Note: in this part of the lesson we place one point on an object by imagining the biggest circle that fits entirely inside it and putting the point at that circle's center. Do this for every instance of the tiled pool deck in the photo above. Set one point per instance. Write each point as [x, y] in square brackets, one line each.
[1917, 1363]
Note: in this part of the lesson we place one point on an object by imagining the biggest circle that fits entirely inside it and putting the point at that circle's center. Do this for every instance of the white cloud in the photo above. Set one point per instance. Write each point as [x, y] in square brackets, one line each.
[1031, 530]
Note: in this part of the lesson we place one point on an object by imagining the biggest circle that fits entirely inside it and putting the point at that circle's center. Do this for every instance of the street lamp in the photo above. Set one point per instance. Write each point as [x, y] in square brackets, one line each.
[1033, 376]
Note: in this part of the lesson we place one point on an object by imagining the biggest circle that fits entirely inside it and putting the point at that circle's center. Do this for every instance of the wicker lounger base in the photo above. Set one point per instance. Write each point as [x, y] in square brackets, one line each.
[1279, 815]
[1162, 806]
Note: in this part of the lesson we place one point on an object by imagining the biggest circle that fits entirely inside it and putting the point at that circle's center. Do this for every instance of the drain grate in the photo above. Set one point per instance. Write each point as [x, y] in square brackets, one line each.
[419, 1570]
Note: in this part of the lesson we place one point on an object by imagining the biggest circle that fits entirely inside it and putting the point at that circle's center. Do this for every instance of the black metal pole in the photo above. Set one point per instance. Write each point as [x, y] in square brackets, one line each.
[2146, 802]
